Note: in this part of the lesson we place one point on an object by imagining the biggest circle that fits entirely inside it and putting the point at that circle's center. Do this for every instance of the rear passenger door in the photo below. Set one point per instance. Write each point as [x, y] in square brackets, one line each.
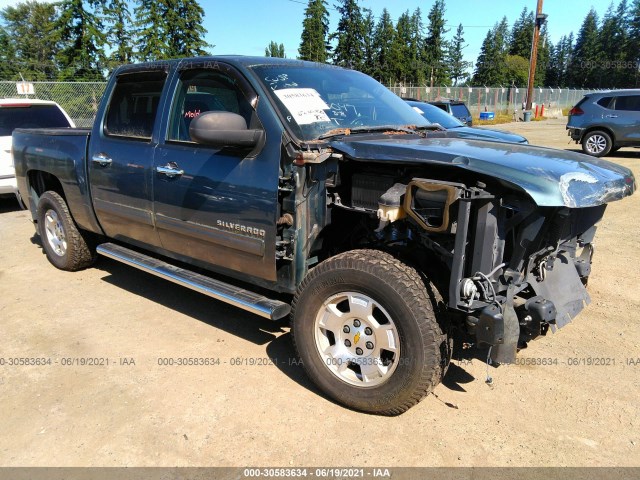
[626, 117]
[121, 157]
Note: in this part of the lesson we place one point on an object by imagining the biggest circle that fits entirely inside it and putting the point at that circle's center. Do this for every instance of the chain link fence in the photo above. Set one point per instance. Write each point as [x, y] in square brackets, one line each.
[501, 101]
[81, 99]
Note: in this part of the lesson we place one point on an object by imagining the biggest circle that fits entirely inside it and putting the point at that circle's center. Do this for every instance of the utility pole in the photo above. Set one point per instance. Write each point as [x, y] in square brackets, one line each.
[541, 18]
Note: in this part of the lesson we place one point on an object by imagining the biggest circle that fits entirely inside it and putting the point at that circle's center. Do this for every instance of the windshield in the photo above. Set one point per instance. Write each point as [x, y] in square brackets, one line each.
[435, 115]
[30, 116]
[317, 99]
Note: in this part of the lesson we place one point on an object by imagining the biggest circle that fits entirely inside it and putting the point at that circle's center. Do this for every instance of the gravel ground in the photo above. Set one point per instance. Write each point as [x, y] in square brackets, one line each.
[256, 407]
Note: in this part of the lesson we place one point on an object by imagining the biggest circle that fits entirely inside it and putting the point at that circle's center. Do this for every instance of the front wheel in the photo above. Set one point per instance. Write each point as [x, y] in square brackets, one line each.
[597, 143]
[63, 243]
[370, 333]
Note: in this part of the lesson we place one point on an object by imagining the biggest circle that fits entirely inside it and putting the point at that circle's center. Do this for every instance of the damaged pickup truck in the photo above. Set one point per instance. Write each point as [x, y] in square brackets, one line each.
[285, 187]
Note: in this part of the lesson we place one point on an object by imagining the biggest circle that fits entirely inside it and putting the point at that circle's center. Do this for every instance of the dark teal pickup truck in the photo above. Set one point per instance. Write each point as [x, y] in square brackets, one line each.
[291, 188]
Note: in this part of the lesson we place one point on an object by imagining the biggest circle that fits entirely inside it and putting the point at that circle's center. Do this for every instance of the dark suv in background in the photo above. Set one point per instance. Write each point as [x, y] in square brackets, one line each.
[457, 108]
[603, 122]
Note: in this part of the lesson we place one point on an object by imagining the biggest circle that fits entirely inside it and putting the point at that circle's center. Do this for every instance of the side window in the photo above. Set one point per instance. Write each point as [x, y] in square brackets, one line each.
[604, 102]
[134, 105]
[202, 91]
[628, 103]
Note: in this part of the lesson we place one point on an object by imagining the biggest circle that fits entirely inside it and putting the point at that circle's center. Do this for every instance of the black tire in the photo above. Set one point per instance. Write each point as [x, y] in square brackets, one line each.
[65, 246]
[412, 309]
[597, 143]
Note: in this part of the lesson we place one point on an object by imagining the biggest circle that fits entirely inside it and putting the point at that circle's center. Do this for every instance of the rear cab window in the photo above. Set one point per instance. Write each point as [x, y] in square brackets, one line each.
[459, 110]
[133, 108]
[30, 116]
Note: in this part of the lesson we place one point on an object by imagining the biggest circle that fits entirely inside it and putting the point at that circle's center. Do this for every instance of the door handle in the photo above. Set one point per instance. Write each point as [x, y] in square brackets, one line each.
[612, 116]
[171, 170]
[102, 159]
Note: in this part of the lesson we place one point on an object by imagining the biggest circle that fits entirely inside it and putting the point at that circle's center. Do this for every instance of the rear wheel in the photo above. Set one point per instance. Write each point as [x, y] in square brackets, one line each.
[370, 332]
[597, 143]
[65, 246]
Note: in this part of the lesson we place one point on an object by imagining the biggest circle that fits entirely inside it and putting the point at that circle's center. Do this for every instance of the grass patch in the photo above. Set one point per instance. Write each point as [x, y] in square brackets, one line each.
[565, 111]
[539, 119]
[500, 118]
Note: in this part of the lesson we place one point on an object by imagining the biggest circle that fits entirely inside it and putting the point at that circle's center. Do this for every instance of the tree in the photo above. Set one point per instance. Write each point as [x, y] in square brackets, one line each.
[274, 50]
[314, 45]
[560, 56]
[183, 28]
[119, 35]
[633, 45]
[169, 29]
[80, 30]
[149, 25]
[401, 49]
[29, 41]
[455, 59]
[517, 69]
[383, 44]
[417, 69]
[349, 51]
[544, 57]
[522, 34]
[435, 45]
[586, 53]
[8, 69]
[491, 67]
[368, 26]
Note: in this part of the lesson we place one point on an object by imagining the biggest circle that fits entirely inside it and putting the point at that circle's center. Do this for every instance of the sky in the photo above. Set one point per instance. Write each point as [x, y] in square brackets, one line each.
[245, 27]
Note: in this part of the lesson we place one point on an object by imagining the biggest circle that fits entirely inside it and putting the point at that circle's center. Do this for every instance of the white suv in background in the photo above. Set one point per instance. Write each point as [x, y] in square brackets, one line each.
[24, 113]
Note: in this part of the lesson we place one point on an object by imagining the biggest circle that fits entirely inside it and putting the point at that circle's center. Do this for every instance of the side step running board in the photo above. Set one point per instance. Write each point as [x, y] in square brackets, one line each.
[244, 299]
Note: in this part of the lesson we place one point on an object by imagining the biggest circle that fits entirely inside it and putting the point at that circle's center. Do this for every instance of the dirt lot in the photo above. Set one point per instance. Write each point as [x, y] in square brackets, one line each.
[133, 412]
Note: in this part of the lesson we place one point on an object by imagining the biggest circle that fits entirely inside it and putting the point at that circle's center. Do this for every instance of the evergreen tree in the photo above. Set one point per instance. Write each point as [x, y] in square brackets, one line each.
[29, 40]
[586, 54]
[491, 69]
[274, 50]
[417, 69]
[184, 28]
[8, 67]
[368, 25]
[401, 49]
[349, 51]
[632, 50]
[150, 36]
[612, 44]
[119, 36]
[560, 55]
[80, 31]
[457, 65]
[435, 45]
[383, 44]
[314, 45]
[543, 59]
[522, 34]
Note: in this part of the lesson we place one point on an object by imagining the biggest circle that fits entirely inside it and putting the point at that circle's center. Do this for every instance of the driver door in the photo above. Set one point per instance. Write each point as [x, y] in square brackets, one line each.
[215, 206]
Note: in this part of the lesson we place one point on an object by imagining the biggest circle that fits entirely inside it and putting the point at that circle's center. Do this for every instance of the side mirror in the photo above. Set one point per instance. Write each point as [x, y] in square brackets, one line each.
[223, 129]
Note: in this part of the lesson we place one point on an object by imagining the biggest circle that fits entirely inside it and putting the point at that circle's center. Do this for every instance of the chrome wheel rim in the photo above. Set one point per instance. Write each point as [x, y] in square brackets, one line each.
[55, 233]
[357, 339]
[596, 144]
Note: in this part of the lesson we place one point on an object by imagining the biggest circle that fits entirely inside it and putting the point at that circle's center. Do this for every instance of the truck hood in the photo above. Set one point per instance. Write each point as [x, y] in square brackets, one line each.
[552, 178]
